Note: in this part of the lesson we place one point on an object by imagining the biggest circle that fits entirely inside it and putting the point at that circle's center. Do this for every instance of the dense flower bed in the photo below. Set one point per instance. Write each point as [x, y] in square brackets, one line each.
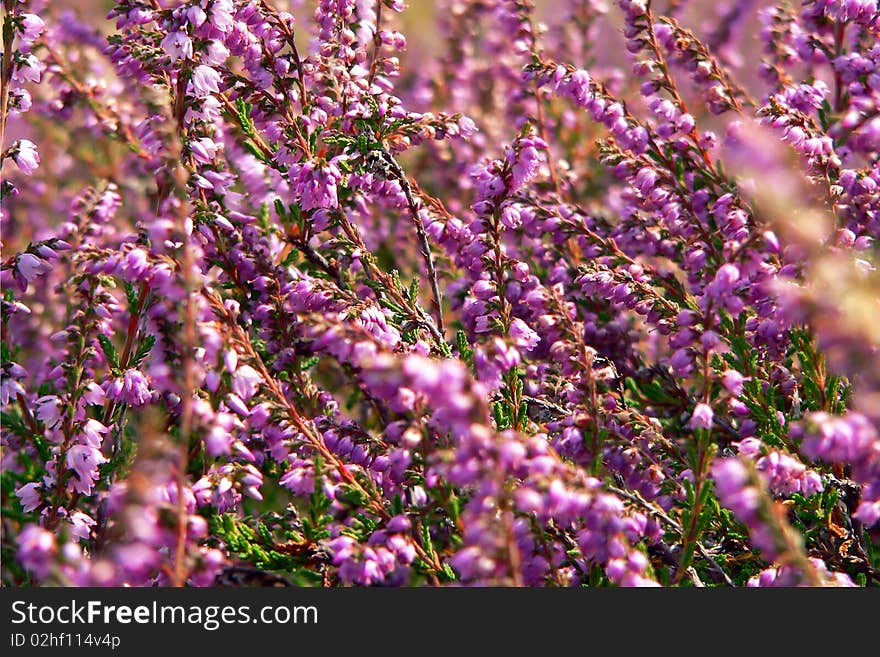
[580, 295]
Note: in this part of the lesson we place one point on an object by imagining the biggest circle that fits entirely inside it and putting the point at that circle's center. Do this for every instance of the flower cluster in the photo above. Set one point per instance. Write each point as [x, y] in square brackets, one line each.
[583, 297]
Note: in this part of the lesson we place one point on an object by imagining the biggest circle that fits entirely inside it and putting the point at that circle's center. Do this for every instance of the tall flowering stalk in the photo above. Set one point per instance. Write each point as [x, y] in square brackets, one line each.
[543, 304]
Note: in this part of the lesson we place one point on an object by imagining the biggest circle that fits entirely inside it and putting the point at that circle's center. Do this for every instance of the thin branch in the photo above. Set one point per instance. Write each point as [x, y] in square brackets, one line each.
[660, 513]
[424, 244]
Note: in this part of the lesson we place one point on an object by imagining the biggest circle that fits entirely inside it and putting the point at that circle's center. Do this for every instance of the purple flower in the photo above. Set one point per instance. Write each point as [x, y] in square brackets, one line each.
[524, 337]
[300, 479]
[27, 70]
[94, 394]
[869, 511]
[399, 525]
[49, 410]
[725, 281]
[30, 266]
[236, 404]
[20, 100]
[702, 417]
[526, 166]
[131, 388]
[84, 460]
[245, 382]
[26, 156]
[316, 185]
[733, 382]
[81, 525]
[230, 360]
[93, 433]
[205, 80]
[31, 26]
[730, 476]
[217, 53]
[29, 496]
[218, 441]
[203, 149]
[36, 549]
[10, 389]
[786, 475]
[178, 46]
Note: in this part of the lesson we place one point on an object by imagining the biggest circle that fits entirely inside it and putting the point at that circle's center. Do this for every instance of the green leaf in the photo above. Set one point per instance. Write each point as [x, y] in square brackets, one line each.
[132, 295]
[252, 148]
[109, 351]
[309, 363]
[522, 414]
[337, 139]
[243, 110]
[280, 209]
[374, 105]
[501, 415]
[351, 495]
[143, 350]
[464, 347]
[426, 539]
[14, 423]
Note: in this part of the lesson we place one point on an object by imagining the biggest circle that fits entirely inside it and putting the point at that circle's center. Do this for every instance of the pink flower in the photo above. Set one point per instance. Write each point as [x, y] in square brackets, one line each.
[300, 479]
[26, 156]
[20, 100]
[29, 496]
[221, 15]
[245, 382]
[205, 81]
[9, 389]
[36, 549]
[524, 337]
[132, 388]
[317, 185]
[733, 382]
[84, 460]
[868, 512]
[218, 441]
[93, 433]
[28, 69]
[203, 149]
[30, 266]
[49, 410]
[30, 26]
[236, 404]
[217, 53]
[702, 417]
[81, 525]
[527, 163]
[178, 46]
[94, 394]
